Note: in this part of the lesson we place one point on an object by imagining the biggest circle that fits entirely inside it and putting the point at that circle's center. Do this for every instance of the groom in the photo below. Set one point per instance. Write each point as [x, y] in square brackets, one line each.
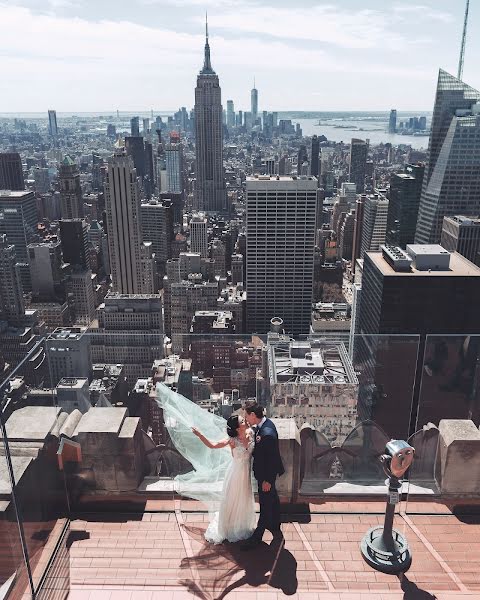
[267, 465]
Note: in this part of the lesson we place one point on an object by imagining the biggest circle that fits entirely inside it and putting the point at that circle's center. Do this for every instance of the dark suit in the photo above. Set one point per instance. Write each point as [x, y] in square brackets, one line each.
[267, 465]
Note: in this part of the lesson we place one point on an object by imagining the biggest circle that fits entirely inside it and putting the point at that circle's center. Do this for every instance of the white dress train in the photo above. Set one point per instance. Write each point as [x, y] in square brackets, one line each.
[235, 519]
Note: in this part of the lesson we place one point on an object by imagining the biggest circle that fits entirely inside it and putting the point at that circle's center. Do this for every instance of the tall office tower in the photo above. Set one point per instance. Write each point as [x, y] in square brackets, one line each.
[135, 147]
[70, 189]
[68, 353]
[358, 163]
[423, 291]
[52, 124]
[392, 121]
[280, 230]
[47, 272]
[218, 254]
[146, 126]
[18, 220]
[315, 157]
[135, 126]
[374, 223]
[11, 171]
[174, 164]
[345, 238]
[122, 200]
[254, 103]
[189, 286]
[157, 227]
[41, 177]
[74, 242]
[302, 158]
[97, 237]
[12, 307]
[357, 230]
[462, 234]
[211, 195]
[149, 179]
[97, 172]
[451, 185]
[405, 191]
[199, 234]
[239, 119]
[237, 269]
[161, 165]
[327, 179]
[130, 332]
[230, 114]
[348, 190]
[81, 287]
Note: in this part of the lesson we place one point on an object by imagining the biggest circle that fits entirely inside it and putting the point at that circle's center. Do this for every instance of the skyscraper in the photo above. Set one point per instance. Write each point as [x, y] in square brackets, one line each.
[135, 126]
[210, 189]
[199, 234]
[374, 223]
[451, 184]
[254, 103]
[52, 124]
[315, 157]
[230, 114]
[358, 163]
[18, 220]
[74, 241]
[122, 201]
[405, 190]
[280, 229]
[462, 234]
[12, 308]
[11, 171]
[392, 122]
[70, 190]
[174, 164]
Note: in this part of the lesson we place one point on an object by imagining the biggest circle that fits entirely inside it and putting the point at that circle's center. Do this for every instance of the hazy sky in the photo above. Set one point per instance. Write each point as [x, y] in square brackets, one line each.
[100, 55]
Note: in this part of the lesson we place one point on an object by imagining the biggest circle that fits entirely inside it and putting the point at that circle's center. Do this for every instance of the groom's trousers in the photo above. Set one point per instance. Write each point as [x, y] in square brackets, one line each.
[269, 512]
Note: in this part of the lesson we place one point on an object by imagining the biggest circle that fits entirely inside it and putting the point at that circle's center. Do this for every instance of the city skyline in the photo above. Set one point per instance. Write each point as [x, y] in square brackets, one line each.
[384, 52]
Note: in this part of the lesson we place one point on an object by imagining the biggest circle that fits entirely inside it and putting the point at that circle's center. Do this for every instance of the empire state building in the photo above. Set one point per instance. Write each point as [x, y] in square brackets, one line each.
[210, 192]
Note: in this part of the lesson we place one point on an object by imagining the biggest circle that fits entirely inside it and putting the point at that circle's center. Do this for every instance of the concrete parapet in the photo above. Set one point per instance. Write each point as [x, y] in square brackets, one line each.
[289, 442]
[459, 464]
[112, 448]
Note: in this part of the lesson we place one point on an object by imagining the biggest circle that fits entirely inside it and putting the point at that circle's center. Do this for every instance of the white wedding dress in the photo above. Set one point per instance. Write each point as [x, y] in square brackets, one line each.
[235, 519]
[220, 479]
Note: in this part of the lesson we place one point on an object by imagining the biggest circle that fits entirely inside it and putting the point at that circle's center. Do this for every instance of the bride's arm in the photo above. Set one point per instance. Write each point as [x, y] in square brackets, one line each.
[208, 443]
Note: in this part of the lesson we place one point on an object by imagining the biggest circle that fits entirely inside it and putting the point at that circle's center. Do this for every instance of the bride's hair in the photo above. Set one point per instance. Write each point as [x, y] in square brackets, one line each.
[233, 423]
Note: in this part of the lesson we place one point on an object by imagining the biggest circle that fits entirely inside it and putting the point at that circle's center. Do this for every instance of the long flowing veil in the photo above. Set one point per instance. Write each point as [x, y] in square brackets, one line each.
[204, 482]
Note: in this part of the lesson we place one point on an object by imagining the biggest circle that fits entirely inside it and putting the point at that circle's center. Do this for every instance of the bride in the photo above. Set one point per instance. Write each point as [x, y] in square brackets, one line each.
[222, 469]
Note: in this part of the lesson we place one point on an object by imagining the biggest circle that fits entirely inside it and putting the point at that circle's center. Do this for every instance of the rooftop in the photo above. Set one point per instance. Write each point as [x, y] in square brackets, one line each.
[315, 362]
[459, 267]
[160, 554]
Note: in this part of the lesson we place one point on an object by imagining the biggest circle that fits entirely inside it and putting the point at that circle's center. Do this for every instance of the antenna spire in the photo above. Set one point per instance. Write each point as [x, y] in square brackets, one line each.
[464, 40]
[207, 65]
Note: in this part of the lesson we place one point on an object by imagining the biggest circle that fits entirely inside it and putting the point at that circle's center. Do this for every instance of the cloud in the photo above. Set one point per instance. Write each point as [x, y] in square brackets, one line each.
[423, 12]
[75, 64]
[354, 29]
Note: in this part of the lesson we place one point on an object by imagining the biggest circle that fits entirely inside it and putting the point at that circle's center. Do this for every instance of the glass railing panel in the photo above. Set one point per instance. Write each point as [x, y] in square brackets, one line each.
[362, 401]
[33, 425]
[447, 388]
[14, 573]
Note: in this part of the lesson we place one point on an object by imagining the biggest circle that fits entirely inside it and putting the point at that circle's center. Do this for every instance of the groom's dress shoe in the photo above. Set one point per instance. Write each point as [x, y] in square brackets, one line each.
[250, 544]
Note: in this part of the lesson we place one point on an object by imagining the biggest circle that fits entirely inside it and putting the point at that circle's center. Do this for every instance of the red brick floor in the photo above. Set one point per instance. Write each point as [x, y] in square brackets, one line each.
[155, 556]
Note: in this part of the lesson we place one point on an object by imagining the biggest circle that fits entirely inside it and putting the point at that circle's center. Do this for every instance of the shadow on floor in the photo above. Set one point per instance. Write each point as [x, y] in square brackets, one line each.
[412, 591]
[215, 571]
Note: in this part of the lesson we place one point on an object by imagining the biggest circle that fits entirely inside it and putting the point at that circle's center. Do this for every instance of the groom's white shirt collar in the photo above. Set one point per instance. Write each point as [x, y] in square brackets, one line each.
[261, 423]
